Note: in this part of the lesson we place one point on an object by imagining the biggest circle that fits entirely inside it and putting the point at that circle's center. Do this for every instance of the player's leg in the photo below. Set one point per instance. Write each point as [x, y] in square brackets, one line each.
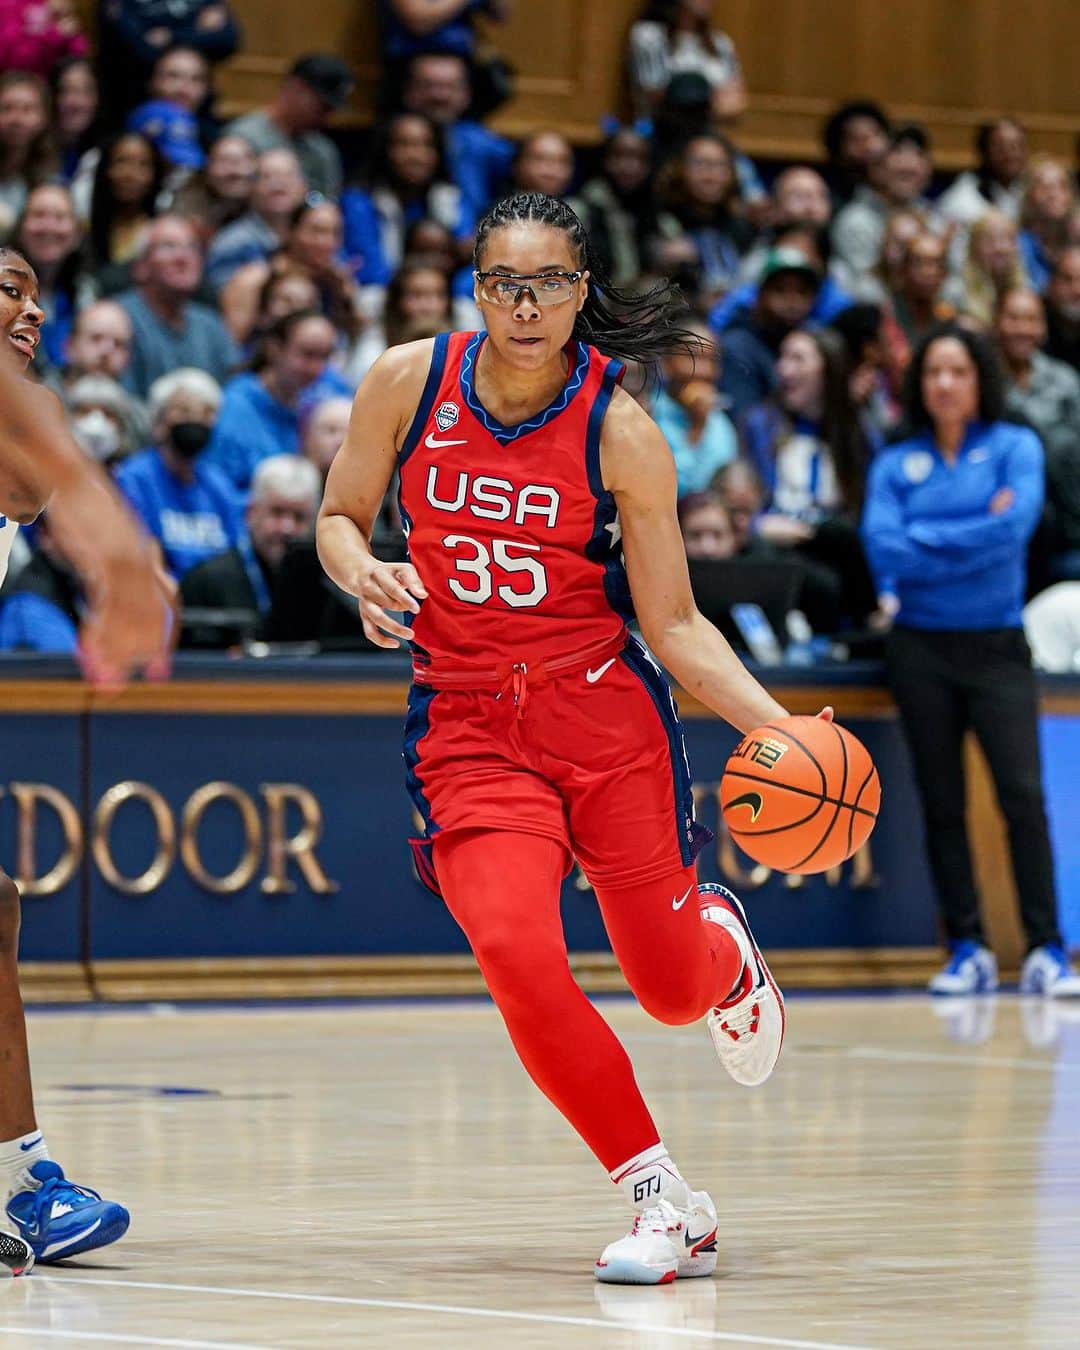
[503, 889]
[52, 1215]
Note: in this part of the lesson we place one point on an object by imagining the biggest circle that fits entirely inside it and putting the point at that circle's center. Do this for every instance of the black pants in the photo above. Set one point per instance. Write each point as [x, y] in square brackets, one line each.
[944, 683]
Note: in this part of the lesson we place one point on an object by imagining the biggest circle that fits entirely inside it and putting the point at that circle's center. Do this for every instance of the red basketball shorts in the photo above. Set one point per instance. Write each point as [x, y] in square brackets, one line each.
[597, 763]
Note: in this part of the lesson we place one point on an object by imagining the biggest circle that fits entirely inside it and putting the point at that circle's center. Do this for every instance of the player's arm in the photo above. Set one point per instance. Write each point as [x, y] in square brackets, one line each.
[639, 470]
[383, 409]
[127, 624]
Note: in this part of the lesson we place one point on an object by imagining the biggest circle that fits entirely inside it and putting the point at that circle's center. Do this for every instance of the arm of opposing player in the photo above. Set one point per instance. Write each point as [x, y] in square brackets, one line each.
[359, 477]
[639, 470]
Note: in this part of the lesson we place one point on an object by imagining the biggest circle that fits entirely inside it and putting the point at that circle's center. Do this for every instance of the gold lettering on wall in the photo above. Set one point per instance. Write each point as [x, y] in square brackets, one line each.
[300, 847]
[244, 871]
[100, 837]
[26, 797]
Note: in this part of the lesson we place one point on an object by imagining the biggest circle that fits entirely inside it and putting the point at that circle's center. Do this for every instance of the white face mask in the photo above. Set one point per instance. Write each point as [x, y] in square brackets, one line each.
[97, 433]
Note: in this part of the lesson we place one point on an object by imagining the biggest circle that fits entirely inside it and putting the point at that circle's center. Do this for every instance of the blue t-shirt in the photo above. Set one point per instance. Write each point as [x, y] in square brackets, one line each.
[30, 623]
[479, 162]
[191, 521]
[929, 535]
[251, 426]
[695, 465]
[158, 348]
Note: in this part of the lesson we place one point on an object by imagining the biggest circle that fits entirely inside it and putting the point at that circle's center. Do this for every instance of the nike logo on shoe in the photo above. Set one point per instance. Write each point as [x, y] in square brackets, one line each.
[25, 1148]
[59, 1209]
[593, 675]
[433, 443]
[704, 1242]
[678, 904]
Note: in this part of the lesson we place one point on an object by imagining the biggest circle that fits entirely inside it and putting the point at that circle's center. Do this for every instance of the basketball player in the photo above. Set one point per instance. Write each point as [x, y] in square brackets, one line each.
[537, 728]
[126, 629]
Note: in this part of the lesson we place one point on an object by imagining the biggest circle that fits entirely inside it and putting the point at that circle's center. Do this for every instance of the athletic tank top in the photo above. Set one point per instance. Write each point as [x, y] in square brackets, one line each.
[8, 530]
[510, 528]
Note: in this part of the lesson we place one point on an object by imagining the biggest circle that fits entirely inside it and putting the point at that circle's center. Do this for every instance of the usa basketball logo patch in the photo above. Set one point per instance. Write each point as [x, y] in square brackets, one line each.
[446, 415]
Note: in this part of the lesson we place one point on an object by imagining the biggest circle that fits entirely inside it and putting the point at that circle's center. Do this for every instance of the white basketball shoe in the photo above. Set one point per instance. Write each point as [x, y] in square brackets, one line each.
[669, 1240]
[747, 1028]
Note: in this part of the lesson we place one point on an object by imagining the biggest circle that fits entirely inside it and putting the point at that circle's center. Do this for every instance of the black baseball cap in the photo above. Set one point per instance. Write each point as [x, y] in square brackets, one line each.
[327, 75]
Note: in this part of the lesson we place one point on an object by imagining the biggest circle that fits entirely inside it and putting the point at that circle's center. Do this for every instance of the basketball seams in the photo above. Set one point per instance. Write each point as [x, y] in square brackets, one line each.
[855, 805]
[798, 791]
[839, 805]
[769, 726]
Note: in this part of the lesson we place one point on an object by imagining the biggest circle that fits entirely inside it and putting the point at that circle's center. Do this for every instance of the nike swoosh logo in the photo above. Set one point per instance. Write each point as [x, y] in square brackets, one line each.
[25, 1148]
[55, 1247]
[750, 799]
[701, 1237]
[678, 904]
[433, 443]
[593, 675]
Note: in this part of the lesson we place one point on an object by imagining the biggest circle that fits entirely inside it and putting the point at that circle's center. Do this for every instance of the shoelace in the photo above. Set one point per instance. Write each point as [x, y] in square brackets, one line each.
[740, 1021]
[659, 1218]
[47, 1193]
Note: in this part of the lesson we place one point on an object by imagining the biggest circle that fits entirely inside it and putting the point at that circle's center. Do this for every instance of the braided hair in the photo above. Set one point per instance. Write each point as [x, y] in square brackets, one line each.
[633, 327]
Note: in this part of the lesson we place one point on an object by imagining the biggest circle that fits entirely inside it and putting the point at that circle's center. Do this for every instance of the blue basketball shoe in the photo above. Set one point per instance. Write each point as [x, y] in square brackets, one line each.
[970, 969]
[59, 1219]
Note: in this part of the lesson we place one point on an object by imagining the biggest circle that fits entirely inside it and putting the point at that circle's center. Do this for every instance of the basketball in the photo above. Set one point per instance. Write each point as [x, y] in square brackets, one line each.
[800, 794]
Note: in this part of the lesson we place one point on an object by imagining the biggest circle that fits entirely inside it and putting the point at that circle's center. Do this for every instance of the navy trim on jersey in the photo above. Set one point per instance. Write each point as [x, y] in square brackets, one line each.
[427, 398]
[417, 726]
[506, 435]
[692, 836]
[603, 546]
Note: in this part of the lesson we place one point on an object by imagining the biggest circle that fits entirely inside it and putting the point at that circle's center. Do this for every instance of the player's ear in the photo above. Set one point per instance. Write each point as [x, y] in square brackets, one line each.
[476, 289]
[584, 290]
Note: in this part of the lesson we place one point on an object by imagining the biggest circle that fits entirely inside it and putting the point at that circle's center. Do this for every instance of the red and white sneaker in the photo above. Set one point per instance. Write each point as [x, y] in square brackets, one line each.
[747, 1029]
[16, 1255]
[666, 1242]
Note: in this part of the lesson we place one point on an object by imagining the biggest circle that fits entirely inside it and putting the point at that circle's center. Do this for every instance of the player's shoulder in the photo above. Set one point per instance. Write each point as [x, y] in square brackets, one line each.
[402, 370]
[632, 446]
[44, 398]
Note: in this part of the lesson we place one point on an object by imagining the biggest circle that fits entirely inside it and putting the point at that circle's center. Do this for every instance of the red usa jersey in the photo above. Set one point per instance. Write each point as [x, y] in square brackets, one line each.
[510, 528]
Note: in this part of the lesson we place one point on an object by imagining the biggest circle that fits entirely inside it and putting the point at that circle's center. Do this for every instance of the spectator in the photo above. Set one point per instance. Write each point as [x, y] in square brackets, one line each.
[49, 236]
[1046, 394]
[407, 182]
[616, 206]
[437, 85]
[285, 494]
[856, 136]
[171, 330]
[687, 410]
[278, 193]
[74, 89]
[42, 610]
[686, 111]
[106, 421]
[1063, 309]
[706, 527]
[1052, 628]
[127, 184]
[993, 267]
[221, 192]
[27, 154]
[36, 37]
[886, 275]
[174, 133]
[288, 290]
[873, 389]
[99, 343]
[544, 163]
[674, 37]
[260, 414]
[417, 305]
[740, 489]
[323, 432]
[134, 33]
[1046, 212]
[948, 516]
[809, 450]
[701, 236]
[183, 501]
[181, 75]
[998, 178]
[812, 241]
[410, 26]
[786, 293]
[917, 305]
[313, 245]
[434, 243]
[800, 197]
[316, 86]
[896, 182]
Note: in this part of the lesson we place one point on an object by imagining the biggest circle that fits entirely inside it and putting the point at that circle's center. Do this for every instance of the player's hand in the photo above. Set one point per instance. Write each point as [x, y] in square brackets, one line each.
[131, 623]
[389, 586]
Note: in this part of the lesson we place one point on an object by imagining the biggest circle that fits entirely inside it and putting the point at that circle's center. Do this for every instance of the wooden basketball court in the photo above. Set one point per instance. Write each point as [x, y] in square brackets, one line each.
[387, 1176]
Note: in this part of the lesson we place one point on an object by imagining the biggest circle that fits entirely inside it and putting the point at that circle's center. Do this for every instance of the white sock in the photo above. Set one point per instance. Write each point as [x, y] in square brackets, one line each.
[16, 1155]
[651, 1176]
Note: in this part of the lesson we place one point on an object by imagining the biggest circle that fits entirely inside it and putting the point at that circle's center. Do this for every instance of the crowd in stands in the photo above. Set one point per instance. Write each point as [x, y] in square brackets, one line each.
[214, 292]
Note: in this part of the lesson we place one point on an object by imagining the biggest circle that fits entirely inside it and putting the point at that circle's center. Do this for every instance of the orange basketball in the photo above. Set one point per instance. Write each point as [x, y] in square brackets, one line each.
[800, 794]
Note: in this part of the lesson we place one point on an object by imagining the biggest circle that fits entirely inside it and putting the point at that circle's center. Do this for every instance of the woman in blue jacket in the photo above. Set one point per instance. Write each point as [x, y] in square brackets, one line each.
[949, 512]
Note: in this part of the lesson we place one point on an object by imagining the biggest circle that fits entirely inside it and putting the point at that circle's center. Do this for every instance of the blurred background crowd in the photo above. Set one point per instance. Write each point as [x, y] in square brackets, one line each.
[214, 291]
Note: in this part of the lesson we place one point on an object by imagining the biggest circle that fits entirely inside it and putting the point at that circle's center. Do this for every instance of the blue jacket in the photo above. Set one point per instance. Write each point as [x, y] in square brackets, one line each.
[695, 465]
[930, 538]
[831, 300]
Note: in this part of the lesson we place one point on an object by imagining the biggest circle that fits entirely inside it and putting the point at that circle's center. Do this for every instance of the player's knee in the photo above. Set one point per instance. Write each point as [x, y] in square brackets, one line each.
[673, 1002]
[9, 915]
